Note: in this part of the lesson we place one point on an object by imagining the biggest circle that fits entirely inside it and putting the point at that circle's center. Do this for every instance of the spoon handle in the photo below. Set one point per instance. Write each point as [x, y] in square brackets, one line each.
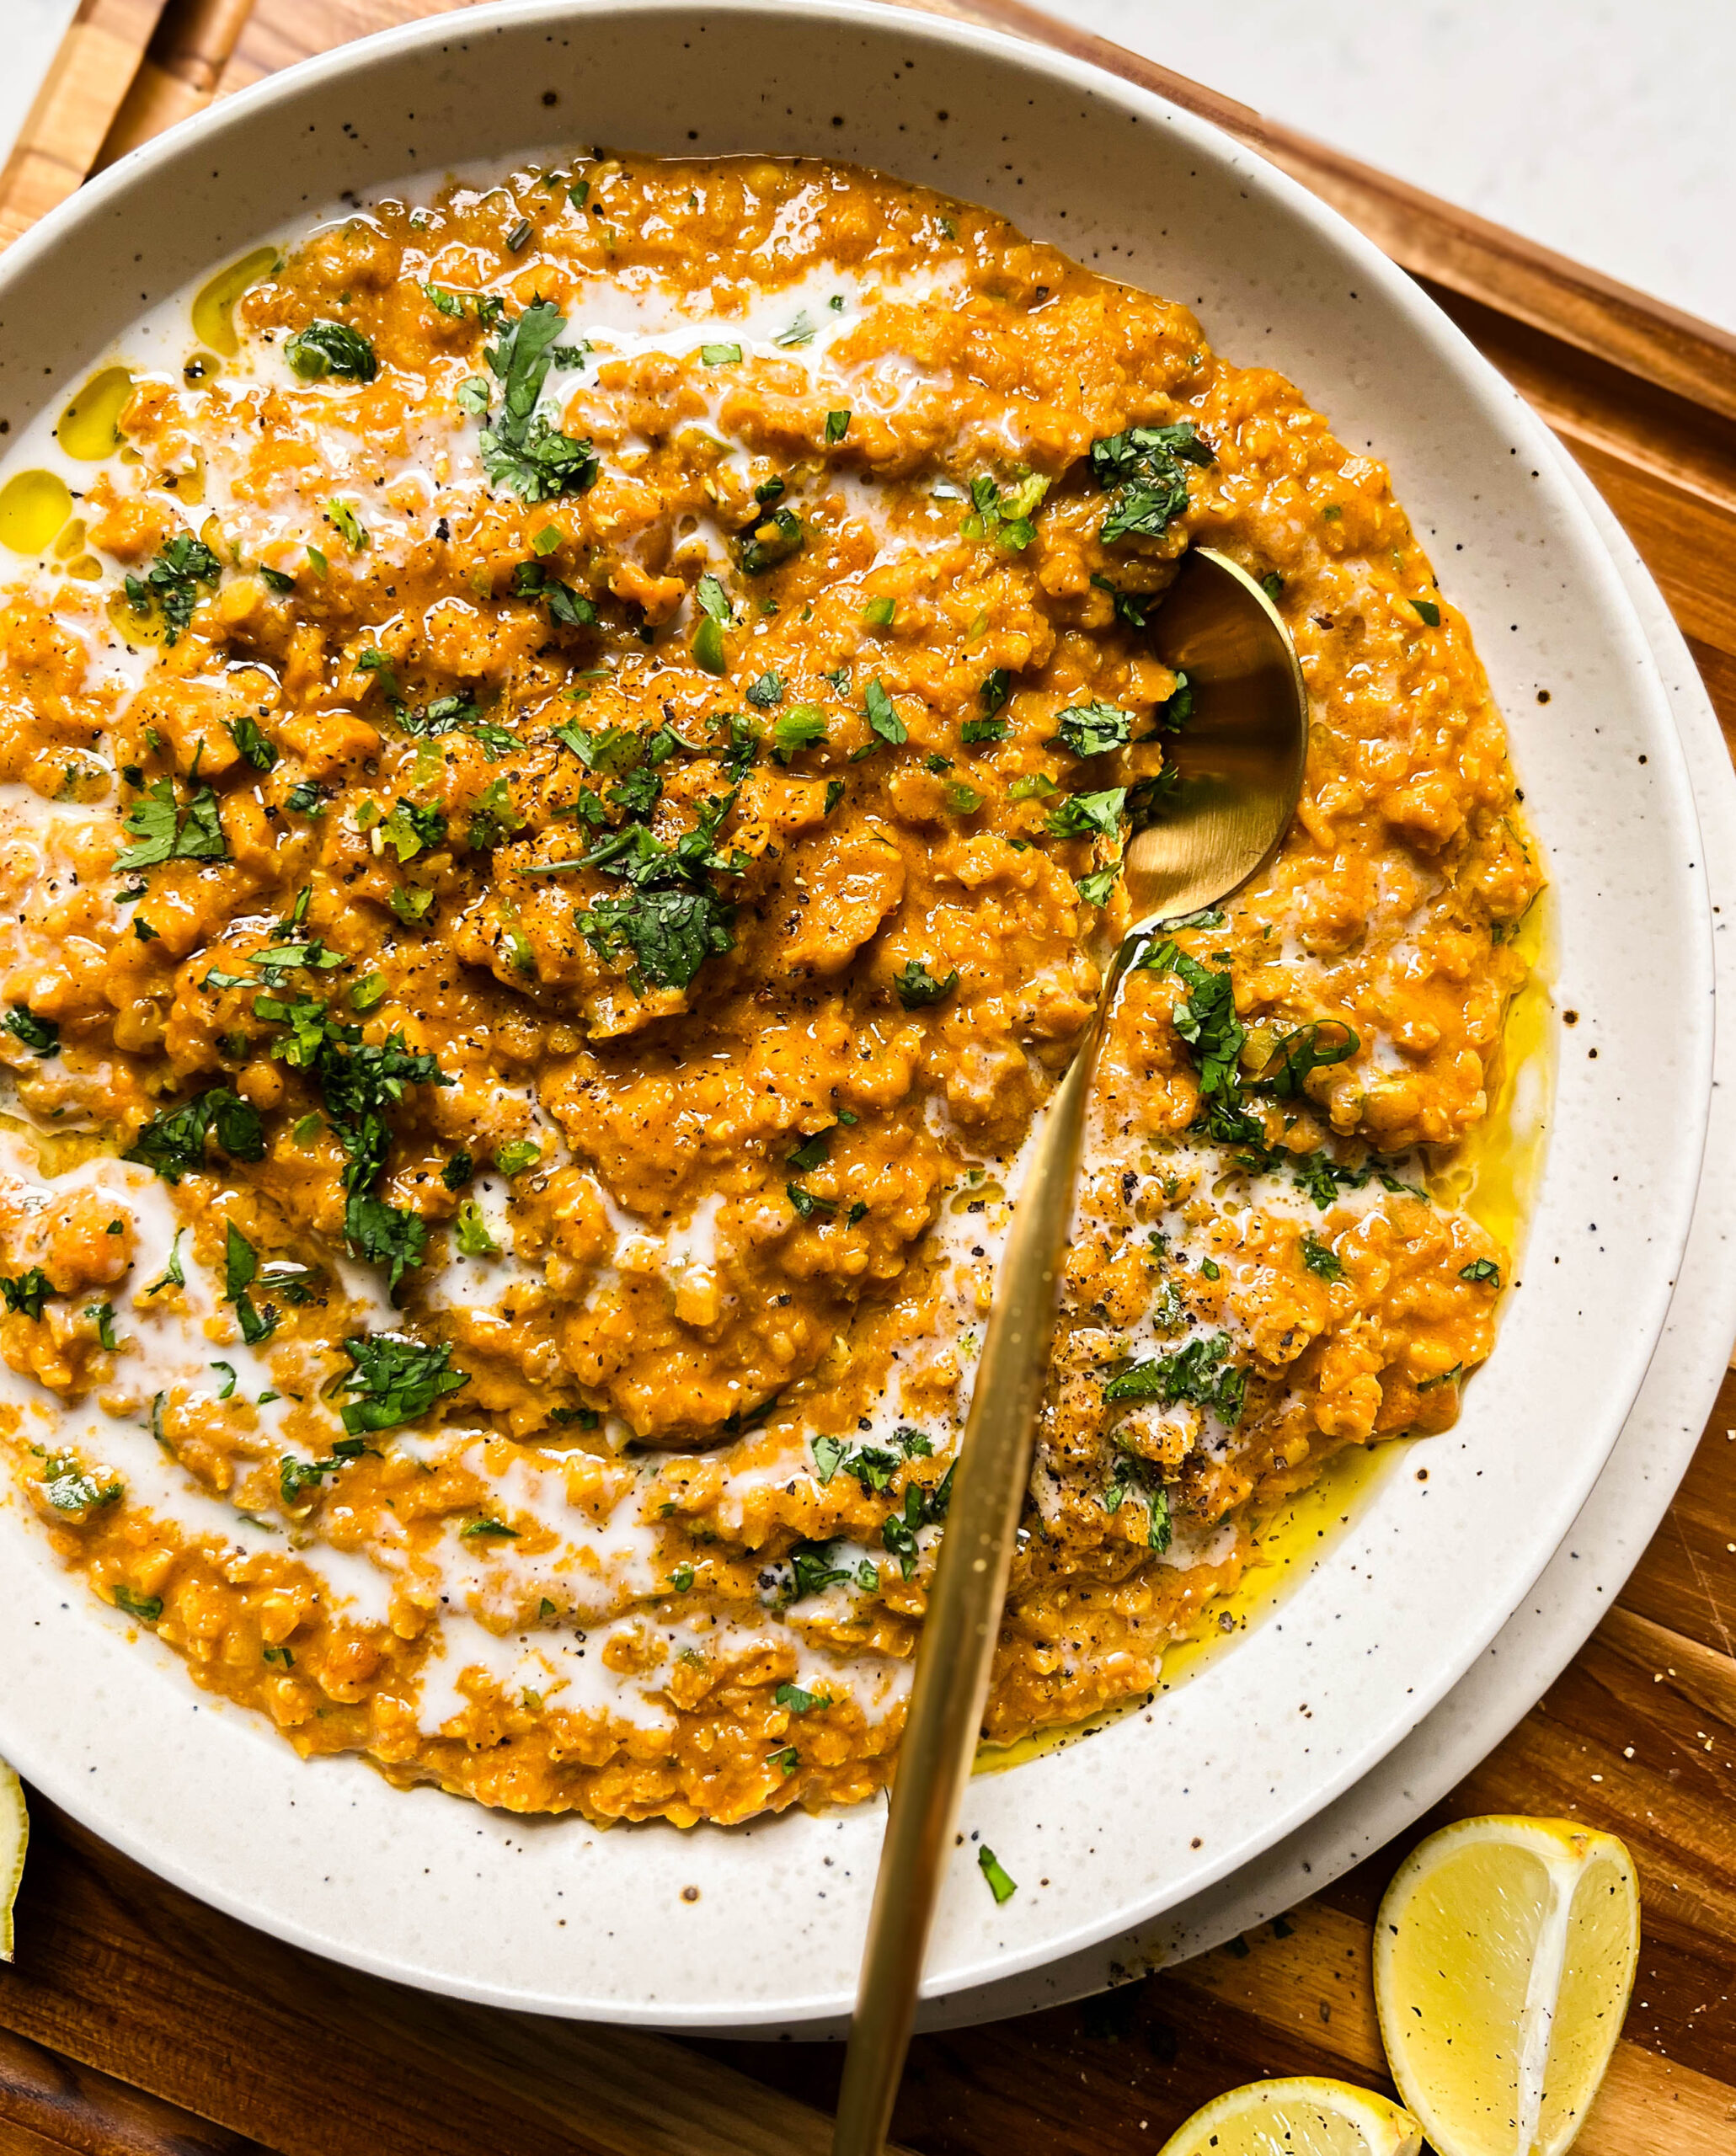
[962, 1623]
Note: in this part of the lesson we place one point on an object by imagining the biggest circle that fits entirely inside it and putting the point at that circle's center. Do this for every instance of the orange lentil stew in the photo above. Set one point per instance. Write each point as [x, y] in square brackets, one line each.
[564, 770]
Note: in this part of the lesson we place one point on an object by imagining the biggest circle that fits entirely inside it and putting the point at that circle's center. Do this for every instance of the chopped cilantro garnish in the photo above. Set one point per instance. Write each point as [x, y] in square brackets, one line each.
[331, 347]
[474, 1239]
[1303, 1051]
[1000, 1885]
[807, 1204]
[520, 451]
[255, 745]
[812, 1572]
[42, 1035]
[922, 1508]
[145, 1608]
[1191, 1373]
[671, 933]
[1141, 472]
[396, 1380]
[27, 1293]
[798, 1701]
[771, 542]
[1127, 606]
[1481, 1271]
[69, 1489]
[160, 832]
[171, 584]
[1093, 730]
[1322, 1259]
[348, 525]
[917, 986]
[173, 1143]
[383, 1235]
[882, 716]
[1077, 813]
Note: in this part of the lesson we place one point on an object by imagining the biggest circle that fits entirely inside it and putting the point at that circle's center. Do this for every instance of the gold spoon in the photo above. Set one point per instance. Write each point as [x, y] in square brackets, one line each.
[1239, 760]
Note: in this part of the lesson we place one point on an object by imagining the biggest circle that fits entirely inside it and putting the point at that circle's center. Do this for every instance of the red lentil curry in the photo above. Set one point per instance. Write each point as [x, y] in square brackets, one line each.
[563, 797]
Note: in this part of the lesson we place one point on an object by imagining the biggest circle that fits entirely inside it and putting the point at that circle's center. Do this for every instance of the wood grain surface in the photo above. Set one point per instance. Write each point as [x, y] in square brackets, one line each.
[81, 93]
[142, 2024]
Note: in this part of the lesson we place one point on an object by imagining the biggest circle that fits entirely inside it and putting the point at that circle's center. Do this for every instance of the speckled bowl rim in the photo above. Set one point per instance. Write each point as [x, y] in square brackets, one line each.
[328, 1856]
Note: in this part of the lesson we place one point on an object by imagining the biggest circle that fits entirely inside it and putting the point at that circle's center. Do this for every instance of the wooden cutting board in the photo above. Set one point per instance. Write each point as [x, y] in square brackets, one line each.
[136, 2020]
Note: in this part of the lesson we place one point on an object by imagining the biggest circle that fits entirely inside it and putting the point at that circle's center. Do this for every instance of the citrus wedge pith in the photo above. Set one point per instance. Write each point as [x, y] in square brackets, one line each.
[1504, 1954]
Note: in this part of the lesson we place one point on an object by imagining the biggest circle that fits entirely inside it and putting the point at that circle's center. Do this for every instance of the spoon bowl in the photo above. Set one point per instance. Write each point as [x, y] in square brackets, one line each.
[1238, 758]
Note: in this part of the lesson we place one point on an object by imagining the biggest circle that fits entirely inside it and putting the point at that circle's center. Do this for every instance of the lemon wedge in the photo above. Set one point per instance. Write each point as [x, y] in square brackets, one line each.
[1504, 1953]
[1299, 2117]
[14, 1834]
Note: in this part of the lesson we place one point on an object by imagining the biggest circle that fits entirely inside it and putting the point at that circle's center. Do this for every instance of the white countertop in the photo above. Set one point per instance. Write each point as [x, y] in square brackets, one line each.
[1602, 128]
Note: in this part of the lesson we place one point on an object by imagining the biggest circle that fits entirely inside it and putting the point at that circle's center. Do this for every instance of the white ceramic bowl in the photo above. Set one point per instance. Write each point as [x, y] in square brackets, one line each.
[552, 1914]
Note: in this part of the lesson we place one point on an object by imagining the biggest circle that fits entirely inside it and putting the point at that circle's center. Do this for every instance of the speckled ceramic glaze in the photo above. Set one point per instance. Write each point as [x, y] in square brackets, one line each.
[1147, 1815]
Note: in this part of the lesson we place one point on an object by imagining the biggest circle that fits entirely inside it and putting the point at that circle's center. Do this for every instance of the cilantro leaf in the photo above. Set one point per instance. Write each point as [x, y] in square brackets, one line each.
[42, 1035]
[1001, 1886]
[1141, 470]
[670, 933]
[27, 1293]
[396, 1380]
[171, 584]
[331, 347]
[1194, 1373]
[1079, 813]
[520, 451]
[160, 832]
[1303, 1051]
[882, 716]
[771, 542]
[173, 1143]
[254, 744]
[1093, 730]
[69, 1489]
[384, 1236]
[917, 986]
